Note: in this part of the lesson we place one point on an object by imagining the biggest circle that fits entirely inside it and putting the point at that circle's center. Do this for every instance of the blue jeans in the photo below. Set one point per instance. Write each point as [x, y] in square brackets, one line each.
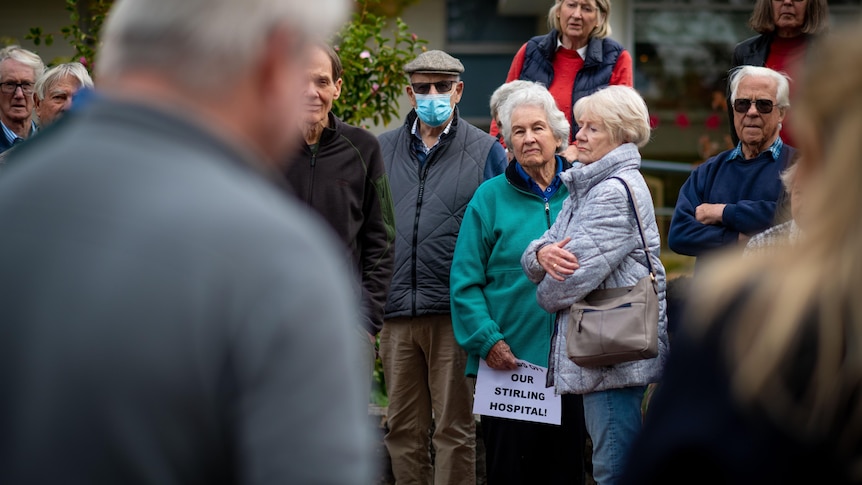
[613, 419]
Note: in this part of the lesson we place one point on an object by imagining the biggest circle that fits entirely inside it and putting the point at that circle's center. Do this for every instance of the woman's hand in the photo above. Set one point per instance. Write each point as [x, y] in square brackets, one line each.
[556, 261]
[500, 357]
[571, 153]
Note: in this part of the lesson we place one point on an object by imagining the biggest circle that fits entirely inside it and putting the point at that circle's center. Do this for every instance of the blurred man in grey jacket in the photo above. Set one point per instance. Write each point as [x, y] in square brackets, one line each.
[168, 315]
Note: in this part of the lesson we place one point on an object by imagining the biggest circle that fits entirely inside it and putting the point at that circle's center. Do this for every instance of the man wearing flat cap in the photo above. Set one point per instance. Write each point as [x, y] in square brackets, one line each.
[435, 161]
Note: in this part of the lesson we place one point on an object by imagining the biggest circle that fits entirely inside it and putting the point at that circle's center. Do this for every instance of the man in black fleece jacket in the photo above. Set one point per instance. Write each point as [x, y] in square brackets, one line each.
[339, 172]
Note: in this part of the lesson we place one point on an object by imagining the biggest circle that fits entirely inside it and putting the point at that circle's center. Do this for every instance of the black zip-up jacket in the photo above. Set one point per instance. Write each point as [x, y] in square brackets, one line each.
[345, 181]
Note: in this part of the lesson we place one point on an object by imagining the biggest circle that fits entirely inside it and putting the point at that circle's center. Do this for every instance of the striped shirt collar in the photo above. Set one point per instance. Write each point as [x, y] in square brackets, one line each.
[13, 137]
[775, 149]
[418, 137]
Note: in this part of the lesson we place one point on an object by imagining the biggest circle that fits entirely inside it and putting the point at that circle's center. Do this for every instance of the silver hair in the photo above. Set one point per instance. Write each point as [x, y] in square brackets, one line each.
[782, 91]
[28, 58]
[501, 93]
[534, 94]
[621, 110]
[203, 43]
[52, 76]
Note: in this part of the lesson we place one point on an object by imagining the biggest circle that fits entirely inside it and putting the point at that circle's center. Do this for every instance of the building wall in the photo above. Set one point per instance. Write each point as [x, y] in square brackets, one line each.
[18, 17]
[428, 19]
[681, 51]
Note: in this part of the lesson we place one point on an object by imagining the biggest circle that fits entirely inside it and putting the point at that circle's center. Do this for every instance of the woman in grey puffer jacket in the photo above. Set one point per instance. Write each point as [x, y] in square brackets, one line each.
[595, 243]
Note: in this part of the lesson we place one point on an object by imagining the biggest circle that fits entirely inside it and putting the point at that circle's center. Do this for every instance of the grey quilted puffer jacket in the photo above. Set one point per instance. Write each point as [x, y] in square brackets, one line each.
[605, 239]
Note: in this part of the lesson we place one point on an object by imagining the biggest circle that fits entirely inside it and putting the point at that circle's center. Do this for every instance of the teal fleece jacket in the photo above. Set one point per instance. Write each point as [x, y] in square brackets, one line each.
[491, 297]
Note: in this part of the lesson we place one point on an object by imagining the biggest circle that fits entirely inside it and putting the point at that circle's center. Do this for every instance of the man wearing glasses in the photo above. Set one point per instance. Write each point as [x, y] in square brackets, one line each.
[19, 70]
[435, 161]
[733, 195]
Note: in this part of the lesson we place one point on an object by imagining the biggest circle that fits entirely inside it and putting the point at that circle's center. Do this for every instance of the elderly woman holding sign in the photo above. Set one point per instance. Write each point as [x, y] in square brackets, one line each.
[596, 243]
[494, 310]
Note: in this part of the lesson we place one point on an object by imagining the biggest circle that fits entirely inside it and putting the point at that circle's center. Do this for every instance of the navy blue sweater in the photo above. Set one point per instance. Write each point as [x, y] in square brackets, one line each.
[750, 188]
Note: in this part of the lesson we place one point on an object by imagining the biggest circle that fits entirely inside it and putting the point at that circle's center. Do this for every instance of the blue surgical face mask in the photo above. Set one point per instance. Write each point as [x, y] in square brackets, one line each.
[434, 109]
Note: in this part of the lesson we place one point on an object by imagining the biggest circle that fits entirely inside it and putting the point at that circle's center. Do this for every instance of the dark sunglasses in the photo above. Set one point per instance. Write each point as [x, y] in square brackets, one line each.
[763, 106]
[440, 86]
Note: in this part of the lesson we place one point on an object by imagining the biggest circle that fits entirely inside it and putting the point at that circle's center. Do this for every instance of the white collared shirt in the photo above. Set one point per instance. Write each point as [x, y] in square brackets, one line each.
[581, 52]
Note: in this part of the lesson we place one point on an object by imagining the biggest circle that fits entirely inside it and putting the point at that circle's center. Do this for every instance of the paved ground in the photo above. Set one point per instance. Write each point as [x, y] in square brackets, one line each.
[378, 420]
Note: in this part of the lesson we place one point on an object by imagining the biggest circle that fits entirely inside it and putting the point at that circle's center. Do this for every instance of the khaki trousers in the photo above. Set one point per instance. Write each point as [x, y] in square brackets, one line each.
[424, 367]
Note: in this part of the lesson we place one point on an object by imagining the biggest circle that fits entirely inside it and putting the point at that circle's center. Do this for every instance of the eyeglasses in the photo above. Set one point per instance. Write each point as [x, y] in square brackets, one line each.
[763, 106]
[440, 86]
[9, 88]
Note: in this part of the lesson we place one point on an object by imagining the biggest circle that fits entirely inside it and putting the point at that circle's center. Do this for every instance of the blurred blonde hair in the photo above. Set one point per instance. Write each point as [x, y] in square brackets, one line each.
[807, 292]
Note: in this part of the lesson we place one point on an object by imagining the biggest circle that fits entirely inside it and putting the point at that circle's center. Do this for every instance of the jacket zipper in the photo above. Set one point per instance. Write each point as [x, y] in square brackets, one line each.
[419, 197]
[311, 179]
[549, 381]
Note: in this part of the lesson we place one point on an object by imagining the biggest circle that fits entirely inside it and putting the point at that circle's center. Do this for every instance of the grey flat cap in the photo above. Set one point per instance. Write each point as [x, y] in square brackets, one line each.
[434, 62]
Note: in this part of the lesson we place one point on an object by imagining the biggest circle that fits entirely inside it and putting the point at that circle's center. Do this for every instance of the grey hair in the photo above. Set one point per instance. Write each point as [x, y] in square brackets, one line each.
[534, 94]
[28, 58]
[782, 92]
[501, 93]
[621, 110]
[54, 75]
[202, 43]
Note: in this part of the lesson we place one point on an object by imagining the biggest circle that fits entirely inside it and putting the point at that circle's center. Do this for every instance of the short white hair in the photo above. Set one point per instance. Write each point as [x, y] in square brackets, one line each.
[498, 97]
[621, 110]
[28, 58]
[52, 76]
[782, 91]
[534, 94]
[202, 43]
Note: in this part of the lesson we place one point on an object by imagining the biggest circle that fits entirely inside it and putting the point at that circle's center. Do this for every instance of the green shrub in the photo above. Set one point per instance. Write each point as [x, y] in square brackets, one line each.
[373, 66]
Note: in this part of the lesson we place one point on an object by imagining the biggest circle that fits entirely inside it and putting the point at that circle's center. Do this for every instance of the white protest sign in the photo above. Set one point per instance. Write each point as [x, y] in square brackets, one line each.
[516, 394]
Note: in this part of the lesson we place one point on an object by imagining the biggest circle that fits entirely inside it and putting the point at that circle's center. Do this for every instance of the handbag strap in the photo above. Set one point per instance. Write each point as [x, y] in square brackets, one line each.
[633, 200]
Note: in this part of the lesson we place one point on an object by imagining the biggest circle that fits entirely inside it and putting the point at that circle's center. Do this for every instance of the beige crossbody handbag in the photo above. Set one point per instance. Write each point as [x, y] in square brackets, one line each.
[616, 325]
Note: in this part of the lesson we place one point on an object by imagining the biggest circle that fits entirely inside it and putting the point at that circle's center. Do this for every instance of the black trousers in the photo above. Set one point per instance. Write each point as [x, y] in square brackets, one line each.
[521, 452]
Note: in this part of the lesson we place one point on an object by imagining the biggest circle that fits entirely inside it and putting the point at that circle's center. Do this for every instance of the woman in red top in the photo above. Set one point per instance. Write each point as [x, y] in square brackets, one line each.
[785, 29]
[575, 59]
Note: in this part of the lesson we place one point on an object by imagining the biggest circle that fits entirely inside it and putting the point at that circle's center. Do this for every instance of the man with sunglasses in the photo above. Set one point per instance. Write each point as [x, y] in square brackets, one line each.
[435, 161]
[19, 70]
[733, 195]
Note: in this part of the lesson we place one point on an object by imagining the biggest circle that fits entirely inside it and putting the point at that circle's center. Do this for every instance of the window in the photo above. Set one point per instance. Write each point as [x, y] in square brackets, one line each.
[485, 41]
[682, 51]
